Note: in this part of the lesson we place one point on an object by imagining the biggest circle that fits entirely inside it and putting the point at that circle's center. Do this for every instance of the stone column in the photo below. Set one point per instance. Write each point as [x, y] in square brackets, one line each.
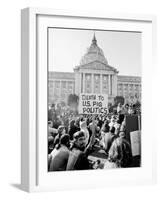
[133, 90]
[60, 89]
[80, 84]
[128, 92]
[92, 83]
[109, 84]
[128, 88]
[100, 83]
[83, 82]
[53, 87]
[111, 77]
[76, 75]
[114, 82]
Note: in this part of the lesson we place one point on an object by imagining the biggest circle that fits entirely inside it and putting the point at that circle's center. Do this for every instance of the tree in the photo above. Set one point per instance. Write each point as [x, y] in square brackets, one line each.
[119, 99]
[62, 103]
[73, 100]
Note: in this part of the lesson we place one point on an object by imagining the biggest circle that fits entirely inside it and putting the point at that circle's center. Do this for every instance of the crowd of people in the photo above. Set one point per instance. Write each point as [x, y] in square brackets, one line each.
[72, 138]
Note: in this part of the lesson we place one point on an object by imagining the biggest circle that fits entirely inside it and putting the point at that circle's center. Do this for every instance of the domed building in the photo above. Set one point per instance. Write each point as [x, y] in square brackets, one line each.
[93, 75]
[93, 54]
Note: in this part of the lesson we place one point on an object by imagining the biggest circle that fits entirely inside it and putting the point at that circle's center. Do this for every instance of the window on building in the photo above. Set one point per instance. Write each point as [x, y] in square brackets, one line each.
[63, 84]
[50, 84]
[70, 85]
[88, 77]
[57, 84]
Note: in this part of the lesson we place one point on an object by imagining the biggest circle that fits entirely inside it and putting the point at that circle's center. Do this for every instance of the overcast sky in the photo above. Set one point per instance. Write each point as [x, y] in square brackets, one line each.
[121, 49]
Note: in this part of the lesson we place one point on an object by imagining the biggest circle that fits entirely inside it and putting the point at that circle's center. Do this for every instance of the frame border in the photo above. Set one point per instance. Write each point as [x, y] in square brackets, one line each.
[29, 168]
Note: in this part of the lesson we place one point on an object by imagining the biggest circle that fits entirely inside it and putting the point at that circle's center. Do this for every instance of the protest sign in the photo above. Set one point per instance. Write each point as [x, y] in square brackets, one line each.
[131, 122]
[135, 138]
[93, 103]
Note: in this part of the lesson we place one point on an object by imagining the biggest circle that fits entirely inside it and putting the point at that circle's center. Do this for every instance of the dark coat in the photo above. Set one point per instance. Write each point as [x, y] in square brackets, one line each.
[120, 152]
[77, 160]
[72, 129]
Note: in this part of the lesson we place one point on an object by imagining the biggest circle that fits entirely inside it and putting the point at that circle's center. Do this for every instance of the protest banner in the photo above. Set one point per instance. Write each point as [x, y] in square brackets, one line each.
[131, 122]
[135, 138]
[93, 103]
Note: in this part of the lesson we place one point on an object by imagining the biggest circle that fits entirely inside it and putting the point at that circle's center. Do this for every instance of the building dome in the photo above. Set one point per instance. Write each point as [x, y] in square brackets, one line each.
[94, 53]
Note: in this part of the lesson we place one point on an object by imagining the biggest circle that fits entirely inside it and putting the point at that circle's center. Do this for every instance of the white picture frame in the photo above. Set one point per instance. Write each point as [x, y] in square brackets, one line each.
[34, 176]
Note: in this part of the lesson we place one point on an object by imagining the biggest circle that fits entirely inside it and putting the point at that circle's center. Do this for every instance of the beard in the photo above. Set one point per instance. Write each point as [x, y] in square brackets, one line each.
[80, 147]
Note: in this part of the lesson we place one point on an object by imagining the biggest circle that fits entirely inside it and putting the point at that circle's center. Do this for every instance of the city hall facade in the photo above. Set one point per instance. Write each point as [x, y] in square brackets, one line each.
[93, 75]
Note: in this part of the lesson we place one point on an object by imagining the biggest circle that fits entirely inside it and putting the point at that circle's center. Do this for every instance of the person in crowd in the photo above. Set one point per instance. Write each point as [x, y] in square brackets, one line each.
[117, 126]
[134, 107]
[99, 122]
[121, 118]
[56, 121]
[94, 129]
[52, 132]
[130, 110]
[112, 121]
[123, 126]
[105, 126]
[51, 113]
[109, 138]
[119, 153]
[105, 129]
[61, 131]
[59, 156]
[73, 128]
[126, 108]
[98, 165]
[83, 127]
[78, 157]
[119, 108]
[94, 123]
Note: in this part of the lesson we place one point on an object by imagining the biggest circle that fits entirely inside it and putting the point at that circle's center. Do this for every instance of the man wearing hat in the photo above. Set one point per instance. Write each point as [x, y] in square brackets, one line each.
[78, 156]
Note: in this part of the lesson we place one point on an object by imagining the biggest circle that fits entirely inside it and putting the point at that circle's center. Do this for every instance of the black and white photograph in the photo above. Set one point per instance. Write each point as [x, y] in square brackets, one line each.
[94, 99]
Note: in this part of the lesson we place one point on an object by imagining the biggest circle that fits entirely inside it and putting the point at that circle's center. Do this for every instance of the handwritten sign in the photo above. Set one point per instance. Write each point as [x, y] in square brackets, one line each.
[135, 138]
[93, 104]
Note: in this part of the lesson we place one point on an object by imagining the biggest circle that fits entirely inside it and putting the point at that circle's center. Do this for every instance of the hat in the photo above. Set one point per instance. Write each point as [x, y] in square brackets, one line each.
[78, 135]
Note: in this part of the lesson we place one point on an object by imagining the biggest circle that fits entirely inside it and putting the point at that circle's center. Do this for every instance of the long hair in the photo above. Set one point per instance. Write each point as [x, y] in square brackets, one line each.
[64, 140]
